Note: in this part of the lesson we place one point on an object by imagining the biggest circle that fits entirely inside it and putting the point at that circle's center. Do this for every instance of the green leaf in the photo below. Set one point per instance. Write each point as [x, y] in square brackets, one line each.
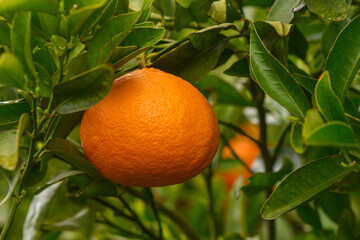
[334, 133]
[82, 219]
[313, 120]
[330, 34]
[334, 10]
[142, 38]
[327, 102]
[44, 80]
[21, 42]
[205, 37]
[78, 17]
[42, 54]
[10, 114]
[59, 177]
[109, 36]
[349, 184]
[346, 229]
[298, 44]
[225, 92]
[343, 61]
[11, 71]
[49, 23]
[258, 3]
[84, 90]
[189, 63]
[145, 11]
[306, 82]
[187, 11]
[262, 181]
[10, 142]
[4, 34]
[48, 6]
[296, 139]
[37, 212]
[275, 79]
[99, 17]
[282, 11]
[310, 216]
[65, 151]
[327, 201]
[239, 68]
[303, 184]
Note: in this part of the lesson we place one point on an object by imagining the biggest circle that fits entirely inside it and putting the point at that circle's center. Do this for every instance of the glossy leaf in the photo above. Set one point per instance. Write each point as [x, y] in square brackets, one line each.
[188, 63]
[99, 17]
[262, 181]
[330, 9]
[330, 34]
[334, 133]
[343, 61]
[78, 17]
[303, 184]
[84, 90]
[109, 36]
[145, 11]
[275, 79]
[282, 11]
[80, 220]
[59, 177]
[296, 139]
[306, 82]
[37, 212]
[10, 114]
[11, 71]
[21, 42]
[328, 103]
[142, 38]
[239, 68]
[48, 6]
[64, 150]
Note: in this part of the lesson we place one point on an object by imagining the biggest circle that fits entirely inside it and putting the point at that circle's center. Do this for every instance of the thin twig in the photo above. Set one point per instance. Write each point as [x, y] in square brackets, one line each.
[235, 155]
[155, 210]
[280, 142]
[239, 130]
[208, 180]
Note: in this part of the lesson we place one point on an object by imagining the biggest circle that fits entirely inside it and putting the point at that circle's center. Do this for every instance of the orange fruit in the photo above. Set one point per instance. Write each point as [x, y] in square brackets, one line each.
[245, 149]
[152, 129]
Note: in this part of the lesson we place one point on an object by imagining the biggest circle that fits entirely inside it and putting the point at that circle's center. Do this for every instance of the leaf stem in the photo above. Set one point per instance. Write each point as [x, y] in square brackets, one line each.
[156, 213]
[208, 181]
[8, 223]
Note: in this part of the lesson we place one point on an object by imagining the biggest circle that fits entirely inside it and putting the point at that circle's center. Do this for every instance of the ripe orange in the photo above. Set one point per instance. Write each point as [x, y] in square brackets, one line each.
[245, 149]
[152, 129]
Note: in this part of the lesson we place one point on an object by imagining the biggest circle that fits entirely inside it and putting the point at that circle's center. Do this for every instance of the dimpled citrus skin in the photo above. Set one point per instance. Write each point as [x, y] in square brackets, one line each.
[152, 129]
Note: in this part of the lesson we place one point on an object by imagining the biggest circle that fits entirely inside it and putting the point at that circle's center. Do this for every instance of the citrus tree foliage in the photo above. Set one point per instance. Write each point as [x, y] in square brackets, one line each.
[291, 67]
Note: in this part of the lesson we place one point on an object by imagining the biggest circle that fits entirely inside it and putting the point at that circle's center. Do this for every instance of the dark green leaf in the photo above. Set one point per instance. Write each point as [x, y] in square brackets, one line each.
[282, 11]
[275, 79]
[296, 139]
[310, 216]
[327, 201]
[239, 68]
[188, 63]
[37, 212]
[334, 133]
[343, 60]
[99, 17]
[84, 90]
[187, 11]
[330, 9]
[349, 184]
[233, 236]
[81, 220]
[225, 92]
[233, 10]
[298, 44]
[258, 3]
[142, 38]
[327, 102]
[330, 34]
[64, 150]
[166, 7]
[263, 181]
[49, 23]
[10, 114]
[42, 54]
[204, 38]
[48, 6]
[59, 177]
[109, 36]
[78, 17]
[306, 82]
[122, 7]
[303, 184]
[346, 229]
[11, 71]
[44, 80]
[21, 42]
[4, 34]
[68, 123]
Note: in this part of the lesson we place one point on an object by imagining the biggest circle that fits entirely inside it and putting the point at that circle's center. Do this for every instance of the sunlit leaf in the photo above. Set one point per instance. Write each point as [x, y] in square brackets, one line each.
[49, 6]
[303, 184]
[11, 71]
[282, 11]
[330, 9]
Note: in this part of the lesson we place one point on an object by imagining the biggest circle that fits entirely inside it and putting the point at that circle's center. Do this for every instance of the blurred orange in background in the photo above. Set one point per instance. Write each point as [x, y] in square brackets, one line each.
[246, 149]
